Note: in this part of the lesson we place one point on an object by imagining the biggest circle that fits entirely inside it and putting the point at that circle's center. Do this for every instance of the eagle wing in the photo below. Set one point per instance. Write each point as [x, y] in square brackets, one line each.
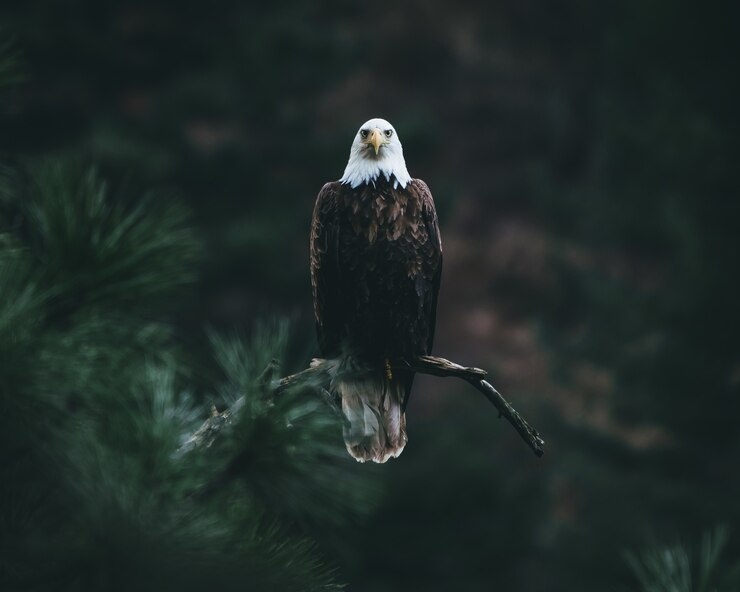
[433, 255]
[325, 270]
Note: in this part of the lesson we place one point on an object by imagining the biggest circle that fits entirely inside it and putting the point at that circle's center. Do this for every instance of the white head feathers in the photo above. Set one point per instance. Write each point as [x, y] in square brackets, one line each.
[376, 150]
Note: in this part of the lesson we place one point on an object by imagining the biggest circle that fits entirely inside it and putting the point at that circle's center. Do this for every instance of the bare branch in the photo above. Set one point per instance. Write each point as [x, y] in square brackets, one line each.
[319, 375]
[441, 367]
[207, 433]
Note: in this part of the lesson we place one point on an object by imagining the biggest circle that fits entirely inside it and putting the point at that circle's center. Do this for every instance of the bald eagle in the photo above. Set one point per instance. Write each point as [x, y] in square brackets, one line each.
[376, 260]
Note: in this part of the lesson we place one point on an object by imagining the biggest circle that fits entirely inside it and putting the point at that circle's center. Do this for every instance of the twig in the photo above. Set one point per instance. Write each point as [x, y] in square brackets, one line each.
[207, 433]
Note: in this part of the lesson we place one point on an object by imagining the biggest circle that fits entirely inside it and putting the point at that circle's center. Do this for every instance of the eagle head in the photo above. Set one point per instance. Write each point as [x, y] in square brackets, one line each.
[376, 150]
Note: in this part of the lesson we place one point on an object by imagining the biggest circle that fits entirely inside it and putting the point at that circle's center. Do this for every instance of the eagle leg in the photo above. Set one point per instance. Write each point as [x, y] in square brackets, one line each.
[388, 371]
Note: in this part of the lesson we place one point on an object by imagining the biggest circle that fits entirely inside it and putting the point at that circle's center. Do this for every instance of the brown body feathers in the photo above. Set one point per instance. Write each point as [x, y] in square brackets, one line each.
[376, 260]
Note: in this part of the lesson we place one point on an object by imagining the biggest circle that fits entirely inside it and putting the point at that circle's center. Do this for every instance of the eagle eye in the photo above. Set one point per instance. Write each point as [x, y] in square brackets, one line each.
[388, 133]
[363, 133]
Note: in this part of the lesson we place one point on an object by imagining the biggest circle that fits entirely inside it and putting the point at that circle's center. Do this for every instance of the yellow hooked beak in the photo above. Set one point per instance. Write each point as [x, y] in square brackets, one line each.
[376, 139]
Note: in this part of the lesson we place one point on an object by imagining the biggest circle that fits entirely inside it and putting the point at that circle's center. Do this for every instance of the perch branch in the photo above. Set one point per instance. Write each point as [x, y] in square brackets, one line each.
[319, 372]
[319, 375]
[475, 376]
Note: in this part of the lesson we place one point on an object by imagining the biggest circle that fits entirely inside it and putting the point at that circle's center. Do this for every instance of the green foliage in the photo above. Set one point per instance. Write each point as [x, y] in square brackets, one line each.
[95, 247]
[19, 297]
[294, 460]
[680, 568]
[95, 404]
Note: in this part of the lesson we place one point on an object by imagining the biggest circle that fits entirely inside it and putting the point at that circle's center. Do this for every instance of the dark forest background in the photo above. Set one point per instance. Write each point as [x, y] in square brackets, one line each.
[583, 158]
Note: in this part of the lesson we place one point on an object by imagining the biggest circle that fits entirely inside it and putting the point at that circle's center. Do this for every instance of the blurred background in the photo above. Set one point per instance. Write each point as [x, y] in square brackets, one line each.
[583, 159]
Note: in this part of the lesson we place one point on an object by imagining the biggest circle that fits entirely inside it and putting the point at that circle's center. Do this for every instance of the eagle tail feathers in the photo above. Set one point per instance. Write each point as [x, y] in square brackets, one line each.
[375, 424]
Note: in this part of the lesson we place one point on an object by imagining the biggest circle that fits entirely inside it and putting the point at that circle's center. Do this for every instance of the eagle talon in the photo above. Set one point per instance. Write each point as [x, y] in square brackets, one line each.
[388, 371]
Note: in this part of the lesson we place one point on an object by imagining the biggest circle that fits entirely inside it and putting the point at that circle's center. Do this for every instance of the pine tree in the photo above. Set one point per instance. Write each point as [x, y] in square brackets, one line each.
[95, 405]
[682, 568]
